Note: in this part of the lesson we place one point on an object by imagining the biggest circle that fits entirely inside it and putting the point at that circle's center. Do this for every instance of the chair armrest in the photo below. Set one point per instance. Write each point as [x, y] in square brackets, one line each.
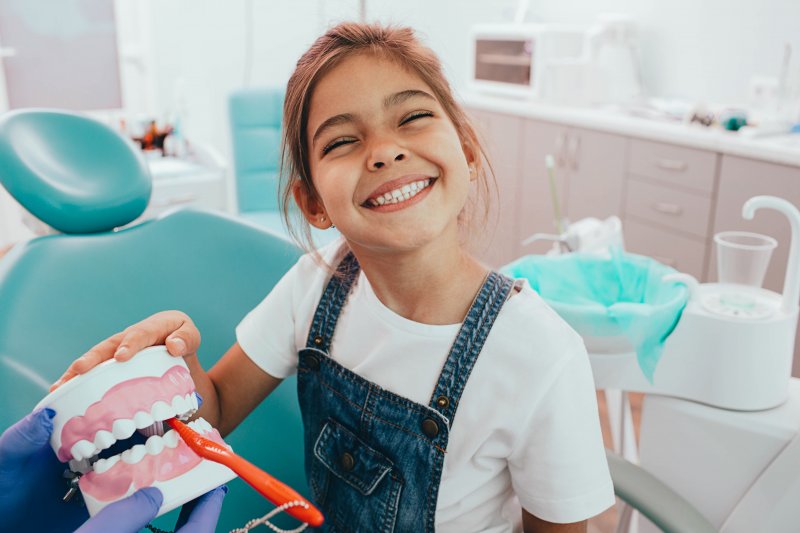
[651, 497]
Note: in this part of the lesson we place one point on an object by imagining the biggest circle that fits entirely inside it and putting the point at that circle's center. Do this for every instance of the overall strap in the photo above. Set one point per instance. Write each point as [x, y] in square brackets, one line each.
[331, 303]
[469, 342]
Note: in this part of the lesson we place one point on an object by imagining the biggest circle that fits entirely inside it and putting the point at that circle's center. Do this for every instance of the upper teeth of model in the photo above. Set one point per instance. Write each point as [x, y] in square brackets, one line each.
[399, 195]
[123, 428]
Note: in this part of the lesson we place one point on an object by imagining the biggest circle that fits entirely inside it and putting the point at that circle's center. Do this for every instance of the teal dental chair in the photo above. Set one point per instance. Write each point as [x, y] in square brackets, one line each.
[61, 294]
[255, 124]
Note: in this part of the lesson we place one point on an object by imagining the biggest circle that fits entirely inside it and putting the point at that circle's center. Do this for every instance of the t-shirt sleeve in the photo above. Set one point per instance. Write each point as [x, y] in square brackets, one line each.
[267, 332]
[558, 467]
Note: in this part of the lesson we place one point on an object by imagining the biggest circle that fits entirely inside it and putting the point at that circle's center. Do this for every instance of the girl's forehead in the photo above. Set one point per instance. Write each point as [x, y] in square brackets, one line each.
[358, 81]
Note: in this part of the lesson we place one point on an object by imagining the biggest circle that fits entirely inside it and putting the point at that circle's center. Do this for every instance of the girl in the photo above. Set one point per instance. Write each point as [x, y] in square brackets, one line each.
[435, 394]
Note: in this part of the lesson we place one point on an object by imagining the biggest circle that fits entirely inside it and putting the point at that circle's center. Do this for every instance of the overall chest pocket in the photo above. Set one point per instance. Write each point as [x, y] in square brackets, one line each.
[357, 486]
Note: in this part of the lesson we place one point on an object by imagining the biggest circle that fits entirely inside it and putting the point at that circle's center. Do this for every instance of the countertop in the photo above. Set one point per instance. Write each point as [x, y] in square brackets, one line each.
[782, 149]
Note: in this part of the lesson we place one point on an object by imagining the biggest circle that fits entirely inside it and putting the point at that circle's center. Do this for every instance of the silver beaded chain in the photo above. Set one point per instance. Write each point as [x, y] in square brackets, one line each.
[255, 522]
[265, 519]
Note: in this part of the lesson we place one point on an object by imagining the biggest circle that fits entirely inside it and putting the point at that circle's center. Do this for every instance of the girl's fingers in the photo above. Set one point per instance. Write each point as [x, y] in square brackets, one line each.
[173, 328]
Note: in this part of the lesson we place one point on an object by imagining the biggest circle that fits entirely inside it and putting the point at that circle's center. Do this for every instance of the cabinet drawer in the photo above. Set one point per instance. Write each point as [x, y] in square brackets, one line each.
[686, 167]
[675, 209]
[682, 253]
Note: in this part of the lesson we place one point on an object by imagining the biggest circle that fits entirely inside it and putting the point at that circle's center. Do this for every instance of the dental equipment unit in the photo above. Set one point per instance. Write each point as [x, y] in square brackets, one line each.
[115, 400]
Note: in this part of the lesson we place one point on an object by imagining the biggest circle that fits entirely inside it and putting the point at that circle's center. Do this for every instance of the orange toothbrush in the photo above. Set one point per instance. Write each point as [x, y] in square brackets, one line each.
[269, 487]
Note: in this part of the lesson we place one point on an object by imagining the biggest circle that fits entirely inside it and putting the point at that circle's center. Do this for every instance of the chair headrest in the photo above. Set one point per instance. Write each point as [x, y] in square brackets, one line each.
[72, 172]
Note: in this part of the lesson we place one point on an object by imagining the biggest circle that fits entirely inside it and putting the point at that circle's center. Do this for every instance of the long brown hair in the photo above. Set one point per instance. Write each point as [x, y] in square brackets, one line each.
[398, 44]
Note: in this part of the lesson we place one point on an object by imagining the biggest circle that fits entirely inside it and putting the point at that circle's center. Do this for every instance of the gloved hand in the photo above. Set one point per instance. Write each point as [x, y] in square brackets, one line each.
[137, 510]
[32, 488]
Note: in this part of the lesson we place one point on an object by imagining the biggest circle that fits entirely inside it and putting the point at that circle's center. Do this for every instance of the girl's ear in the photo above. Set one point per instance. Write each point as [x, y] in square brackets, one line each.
[310, 206]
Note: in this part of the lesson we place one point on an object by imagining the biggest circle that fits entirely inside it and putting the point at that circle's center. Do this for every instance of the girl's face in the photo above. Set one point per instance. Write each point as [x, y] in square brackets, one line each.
[386, 160]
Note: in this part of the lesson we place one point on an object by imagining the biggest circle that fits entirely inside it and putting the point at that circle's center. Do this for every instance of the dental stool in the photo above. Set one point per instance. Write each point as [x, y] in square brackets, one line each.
[255, 122]
[61, 294]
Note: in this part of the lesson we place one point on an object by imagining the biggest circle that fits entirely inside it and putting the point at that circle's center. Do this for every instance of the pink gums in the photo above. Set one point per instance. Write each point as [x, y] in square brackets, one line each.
[170, 463]
[123, 400]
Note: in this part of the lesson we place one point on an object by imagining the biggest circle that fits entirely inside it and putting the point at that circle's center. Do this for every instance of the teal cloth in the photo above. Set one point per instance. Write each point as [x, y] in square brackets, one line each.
[608, 297]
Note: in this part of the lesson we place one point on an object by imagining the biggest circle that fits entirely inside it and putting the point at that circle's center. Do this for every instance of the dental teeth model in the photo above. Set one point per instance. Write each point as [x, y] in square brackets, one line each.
[109, 404]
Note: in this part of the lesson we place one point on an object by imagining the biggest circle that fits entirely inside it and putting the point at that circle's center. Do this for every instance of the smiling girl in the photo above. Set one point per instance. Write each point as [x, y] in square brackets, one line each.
[435, 394]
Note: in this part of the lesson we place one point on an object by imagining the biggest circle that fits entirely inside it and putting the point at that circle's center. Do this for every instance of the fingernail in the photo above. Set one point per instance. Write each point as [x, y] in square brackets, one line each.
[49, 412]
[122, 350]
[179, 346]
[199, 399]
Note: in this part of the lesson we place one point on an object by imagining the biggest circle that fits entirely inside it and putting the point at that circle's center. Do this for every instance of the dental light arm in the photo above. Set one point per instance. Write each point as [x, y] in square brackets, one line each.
[32, 488]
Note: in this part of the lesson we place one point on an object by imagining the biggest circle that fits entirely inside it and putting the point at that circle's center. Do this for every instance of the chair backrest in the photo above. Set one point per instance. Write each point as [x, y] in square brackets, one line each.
[255, 121]
[61, 294]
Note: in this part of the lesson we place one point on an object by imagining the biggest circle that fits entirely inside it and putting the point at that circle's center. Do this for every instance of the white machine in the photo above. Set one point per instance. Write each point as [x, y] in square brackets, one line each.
[721, 418]
[733, 345]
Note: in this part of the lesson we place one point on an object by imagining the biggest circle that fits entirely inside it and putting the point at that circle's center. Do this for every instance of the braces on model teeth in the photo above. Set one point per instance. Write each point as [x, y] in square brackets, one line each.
[400, 194]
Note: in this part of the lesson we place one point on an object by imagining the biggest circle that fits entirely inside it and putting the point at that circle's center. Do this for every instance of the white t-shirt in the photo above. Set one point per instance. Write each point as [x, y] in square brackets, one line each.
[527, 424]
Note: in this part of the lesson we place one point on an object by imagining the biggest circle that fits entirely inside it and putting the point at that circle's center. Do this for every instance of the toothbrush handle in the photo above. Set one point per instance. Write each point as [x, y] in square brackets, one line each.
[275, 491]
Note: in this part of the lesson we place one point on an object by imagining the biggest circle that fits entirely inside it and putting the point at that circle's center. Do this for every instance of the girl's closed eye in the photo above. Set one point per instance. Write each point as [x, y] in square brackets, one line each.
[341, 141]
[415, 116]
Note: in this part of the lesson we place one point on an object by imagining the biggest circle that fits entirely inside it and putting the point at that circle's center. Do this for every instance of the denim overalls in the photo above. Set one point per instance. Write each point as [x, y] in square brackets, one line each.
[373, 458]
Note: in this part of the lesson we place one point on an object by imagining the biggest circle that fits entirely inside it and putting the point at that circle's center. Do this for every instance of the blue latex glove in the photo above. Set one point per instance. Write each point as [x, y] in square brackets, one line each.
[32, 487]
[137, 510]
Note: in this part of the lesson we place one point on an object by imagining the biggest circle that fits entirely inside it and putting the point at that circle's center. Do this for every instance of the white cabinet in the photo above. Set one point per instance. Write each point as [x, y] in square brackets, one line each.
[496, 239]
[589, 173]
[668, 205]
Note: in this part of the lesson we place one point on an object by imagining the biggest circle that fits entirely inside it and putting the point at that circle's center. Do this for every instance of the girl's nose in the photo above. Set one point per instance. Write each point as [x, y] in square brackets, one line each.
[384, 155]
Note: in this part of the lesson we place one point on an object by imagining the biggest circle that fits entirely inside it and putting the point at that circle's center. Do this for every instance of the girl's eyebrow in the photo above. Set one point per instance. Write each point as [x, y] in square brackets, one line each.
[389, 101]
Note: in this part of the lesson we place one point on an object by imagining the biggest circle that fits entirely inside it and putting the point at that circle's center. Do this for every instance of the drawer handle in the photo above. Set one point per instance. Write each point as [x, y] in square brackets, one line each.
[668, 209]
[672, 165]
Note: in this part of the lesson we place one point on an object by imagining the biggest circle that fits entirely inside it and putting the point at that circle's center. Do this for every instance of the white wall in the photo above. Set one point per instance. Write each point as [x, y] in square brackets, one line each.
[703, 51]
[700, 50]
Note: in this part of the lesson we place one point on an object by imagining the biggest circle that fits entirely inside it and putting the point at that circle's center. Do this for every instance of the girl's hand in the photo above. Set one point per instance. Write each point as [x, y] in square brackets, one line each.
[171, 328]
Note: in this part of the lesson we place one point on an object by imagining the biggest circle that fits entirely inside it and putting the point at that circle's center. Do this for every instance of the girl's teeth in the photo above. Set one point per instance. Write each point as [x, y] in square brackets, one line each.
[400, 195]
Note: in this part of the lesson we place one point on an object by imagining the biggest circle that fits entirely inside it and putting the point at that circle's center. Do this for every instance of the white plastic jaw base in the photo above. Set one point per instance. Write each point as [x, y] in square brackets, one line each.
[202, 478]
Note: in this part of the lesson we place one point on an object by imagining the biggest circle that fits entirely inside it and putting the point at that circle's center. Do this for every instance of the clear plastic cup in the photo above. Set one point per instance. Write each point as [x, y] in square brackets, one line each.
[743, 257]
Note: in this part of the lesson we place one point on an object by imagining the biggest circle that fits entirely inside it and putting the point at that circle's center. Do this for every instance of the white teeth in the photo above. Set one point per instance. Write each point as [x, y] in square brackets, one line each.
[154, 445]
[192, 399]
[180, 404]
[161, 411]
[142, 420]
[134, 455]
[83, 449]
[400, 195]
[103, 439]
[123, 428]
[170, 438]
[103, 465]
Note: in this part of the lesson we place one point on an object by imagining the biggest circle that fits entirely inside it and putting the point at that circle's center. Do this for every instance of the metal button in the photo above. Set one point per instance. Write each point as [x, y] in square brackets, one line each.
[443, 402]
[313, 362]
[318, 340]
[430, 427]
[347, 461]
